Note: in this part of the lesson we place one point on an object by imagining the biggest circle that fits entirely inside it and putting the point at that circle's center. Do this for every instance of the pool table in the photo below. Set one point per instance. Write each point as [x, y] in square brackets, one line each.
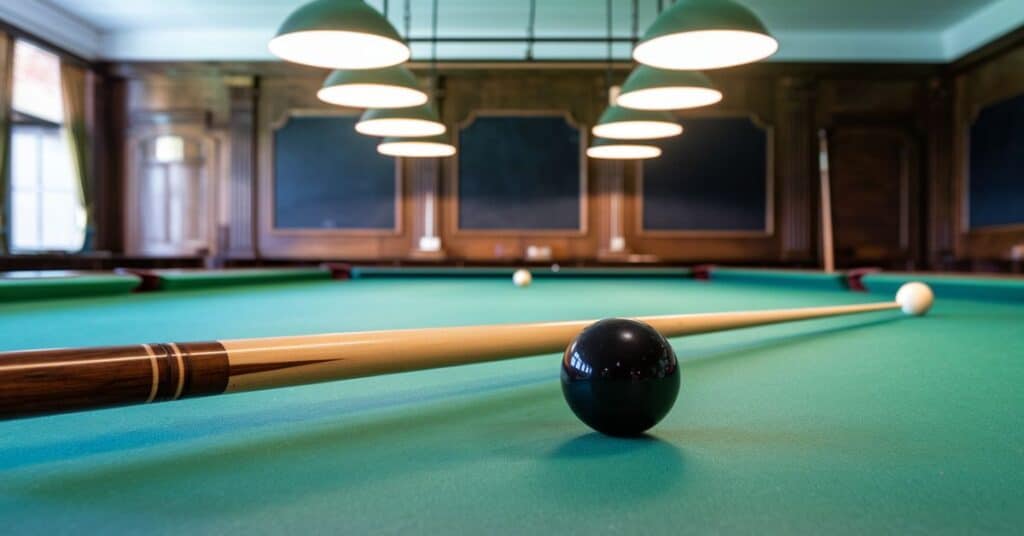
[863, 424]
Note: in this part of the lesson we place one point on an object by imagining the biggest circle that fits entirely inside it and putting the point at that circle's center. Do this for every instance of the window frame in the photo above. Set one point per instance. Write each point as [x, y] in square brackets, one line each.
[22, 119]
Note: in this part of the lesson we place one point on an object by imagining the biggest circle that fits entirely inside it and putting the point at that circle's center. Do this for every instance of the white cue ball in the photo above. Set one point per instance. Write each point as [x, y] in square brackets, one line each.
[915, 298]
[522, 278]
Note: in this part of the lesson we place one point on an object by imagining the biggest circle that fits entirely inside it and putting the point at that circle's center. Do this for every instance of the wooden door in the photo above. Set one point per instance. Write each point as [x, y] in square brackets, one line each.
[875, 196]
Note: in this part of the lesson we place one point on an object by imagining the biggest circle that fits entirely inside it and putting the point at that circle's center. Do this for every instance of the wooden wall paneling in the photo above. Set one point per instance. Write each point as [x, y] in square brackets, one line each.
[282, 98]
[878, 131]
[608, 198]
[986, 83]
[109, 143]
[193, 105]
[797, 170]
[237, 230]
[795, 100]
[721, 150]
[205, 156]
[579, 96]
[938, 183]
[425, 195]
[753, 97]
[874, 172]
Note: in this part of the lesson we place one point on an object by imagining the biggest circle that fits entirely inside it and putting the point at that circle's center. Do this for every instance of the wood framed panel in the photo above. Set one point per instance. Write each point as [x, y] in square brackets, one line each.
[753, 99]
[793, 100]
[171, 209]
[765, 227]
[575, 98]
[988, 83]
[994, 189]
[281, 101]
[578, 228]
[324, 127]
[875, 183]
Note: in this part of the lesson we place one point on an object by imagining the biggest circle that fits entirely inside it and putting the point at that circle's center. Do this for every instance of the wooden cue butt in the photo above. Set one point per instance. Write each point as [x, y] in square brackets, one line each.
[43, 382]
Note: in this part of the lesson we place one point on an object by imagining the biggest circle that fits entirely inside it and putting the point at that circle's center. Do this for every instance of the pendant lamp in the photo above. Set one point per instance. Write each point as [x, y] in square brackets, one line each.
[705, 34]
[339, 34]
[388, 87]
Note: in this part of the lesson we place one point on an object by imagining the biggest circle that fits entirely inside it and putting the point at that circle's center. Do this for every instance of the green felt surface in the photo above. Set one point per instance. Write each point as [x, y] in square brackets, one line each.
[951, 286]
[784, 278]
[505, 271]
[71, 286]
[868, 424]
[198, 279]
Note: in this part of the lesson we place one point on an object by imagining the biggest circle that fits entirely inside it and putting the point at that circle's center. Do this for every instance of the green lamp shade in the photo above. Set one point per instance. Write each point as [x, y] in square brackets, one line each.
[648, 88]
[605, 149]
[339, 34]
[705, 34]
[432, 147]
[414, 122]
[624, 124]
[389, 87]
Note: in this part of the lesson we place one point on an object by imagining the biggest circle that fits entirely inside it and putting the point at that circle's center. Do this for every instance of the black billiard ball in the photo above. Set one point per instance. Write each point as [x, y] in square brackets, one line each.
[620, 376]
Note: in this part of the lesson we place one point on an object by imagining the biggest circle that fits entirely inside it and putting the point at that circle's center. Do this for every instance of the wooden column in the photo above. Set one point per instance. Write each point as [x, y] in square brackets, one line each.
[424, 188]
[240, 237]
[939, 186]
[796, 169]
[611, 202]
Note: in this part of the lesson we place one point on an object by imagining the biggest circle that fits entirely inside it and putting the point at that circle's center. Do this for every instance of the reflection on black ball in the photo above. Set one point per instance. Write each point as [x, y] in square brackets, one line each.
[620, 376]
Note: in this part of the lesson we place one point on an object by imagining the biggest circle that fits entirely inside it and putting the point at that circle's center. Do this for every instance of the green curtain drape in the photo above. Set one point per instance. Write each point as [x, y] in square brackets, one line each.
[6, 78]
[74, 79]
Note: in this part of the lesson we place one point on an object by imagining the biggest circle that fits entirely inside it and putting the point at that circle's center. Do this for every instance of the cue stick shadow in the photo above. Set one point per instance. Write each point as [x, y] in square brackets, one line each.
[343, 455]
[742, 350]
[339, 454]
[199, 428]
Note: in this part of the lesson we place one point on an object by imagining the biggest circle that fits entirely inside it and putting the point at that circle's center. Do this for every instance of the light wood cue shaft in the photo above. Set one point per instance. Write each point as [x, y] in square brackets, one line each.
[827, 247]
[53, 381]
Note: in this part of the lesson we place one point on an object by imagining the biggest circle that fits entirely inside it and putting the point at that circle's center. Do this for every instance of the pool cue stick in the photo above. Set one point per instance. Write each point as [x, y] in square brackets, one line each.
[38, 382]
[827, 251]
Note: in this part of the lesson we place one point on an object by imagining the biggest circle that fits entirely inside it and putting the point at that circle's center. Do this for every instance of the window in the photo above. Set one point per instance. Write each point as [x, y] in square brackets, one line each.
[45, 200]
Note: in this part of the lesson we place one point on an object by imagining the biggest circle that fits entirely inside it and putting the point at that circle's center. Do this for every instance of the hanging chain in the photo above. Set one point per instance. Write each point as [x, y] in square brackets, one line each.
[530, 29]
[608, 57]
[433, 49]
[636, 21]
[408, 22]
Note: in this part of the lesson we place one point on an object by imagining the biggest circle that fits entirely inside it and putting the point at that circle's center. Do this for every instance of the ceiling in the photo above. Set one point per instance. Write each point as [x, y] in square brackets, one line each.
[808, 30]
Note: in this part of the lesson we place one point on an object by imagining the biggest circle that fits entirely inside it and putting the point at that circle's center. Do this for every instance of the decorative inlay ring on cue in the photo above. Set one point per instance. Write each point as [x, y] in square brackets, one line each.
[156, 373]
[181, 371]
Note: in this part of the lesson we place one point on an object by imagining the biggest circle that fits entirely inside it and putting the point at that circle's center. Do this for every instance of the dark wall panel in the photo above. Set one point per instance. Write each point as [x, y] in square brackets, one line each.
[328, 176]
[712, 178]
[997, 165]
[519, 173]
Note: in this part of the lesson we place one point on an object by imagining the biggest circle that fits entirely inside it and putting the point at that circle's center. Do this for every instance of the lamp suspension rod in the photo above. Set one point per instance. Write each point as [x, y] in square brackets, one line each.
[512, 39]
[531, 30]
[635, 36]
[407, 19]
[433, 49]
[608, 57]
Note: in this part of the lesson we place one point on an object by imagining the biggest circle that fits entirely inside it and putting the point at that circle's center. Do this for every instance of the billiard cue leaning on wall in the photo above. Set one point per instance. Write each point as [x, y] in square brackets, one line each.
[828, 258]
[39, 382]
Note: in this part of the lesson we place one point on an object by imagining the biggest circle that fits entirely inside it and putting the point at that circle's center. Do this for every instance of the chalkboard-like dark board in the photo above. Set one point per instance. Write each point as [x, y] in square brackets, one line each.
[997, 165]
[712, 178]
[328, 176]
[519, 173]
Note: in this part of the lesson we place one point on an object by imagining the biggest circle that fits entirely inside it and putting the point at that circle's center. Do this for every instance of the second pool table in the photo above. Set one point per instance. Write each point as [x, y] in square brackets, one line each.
[865, 424]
